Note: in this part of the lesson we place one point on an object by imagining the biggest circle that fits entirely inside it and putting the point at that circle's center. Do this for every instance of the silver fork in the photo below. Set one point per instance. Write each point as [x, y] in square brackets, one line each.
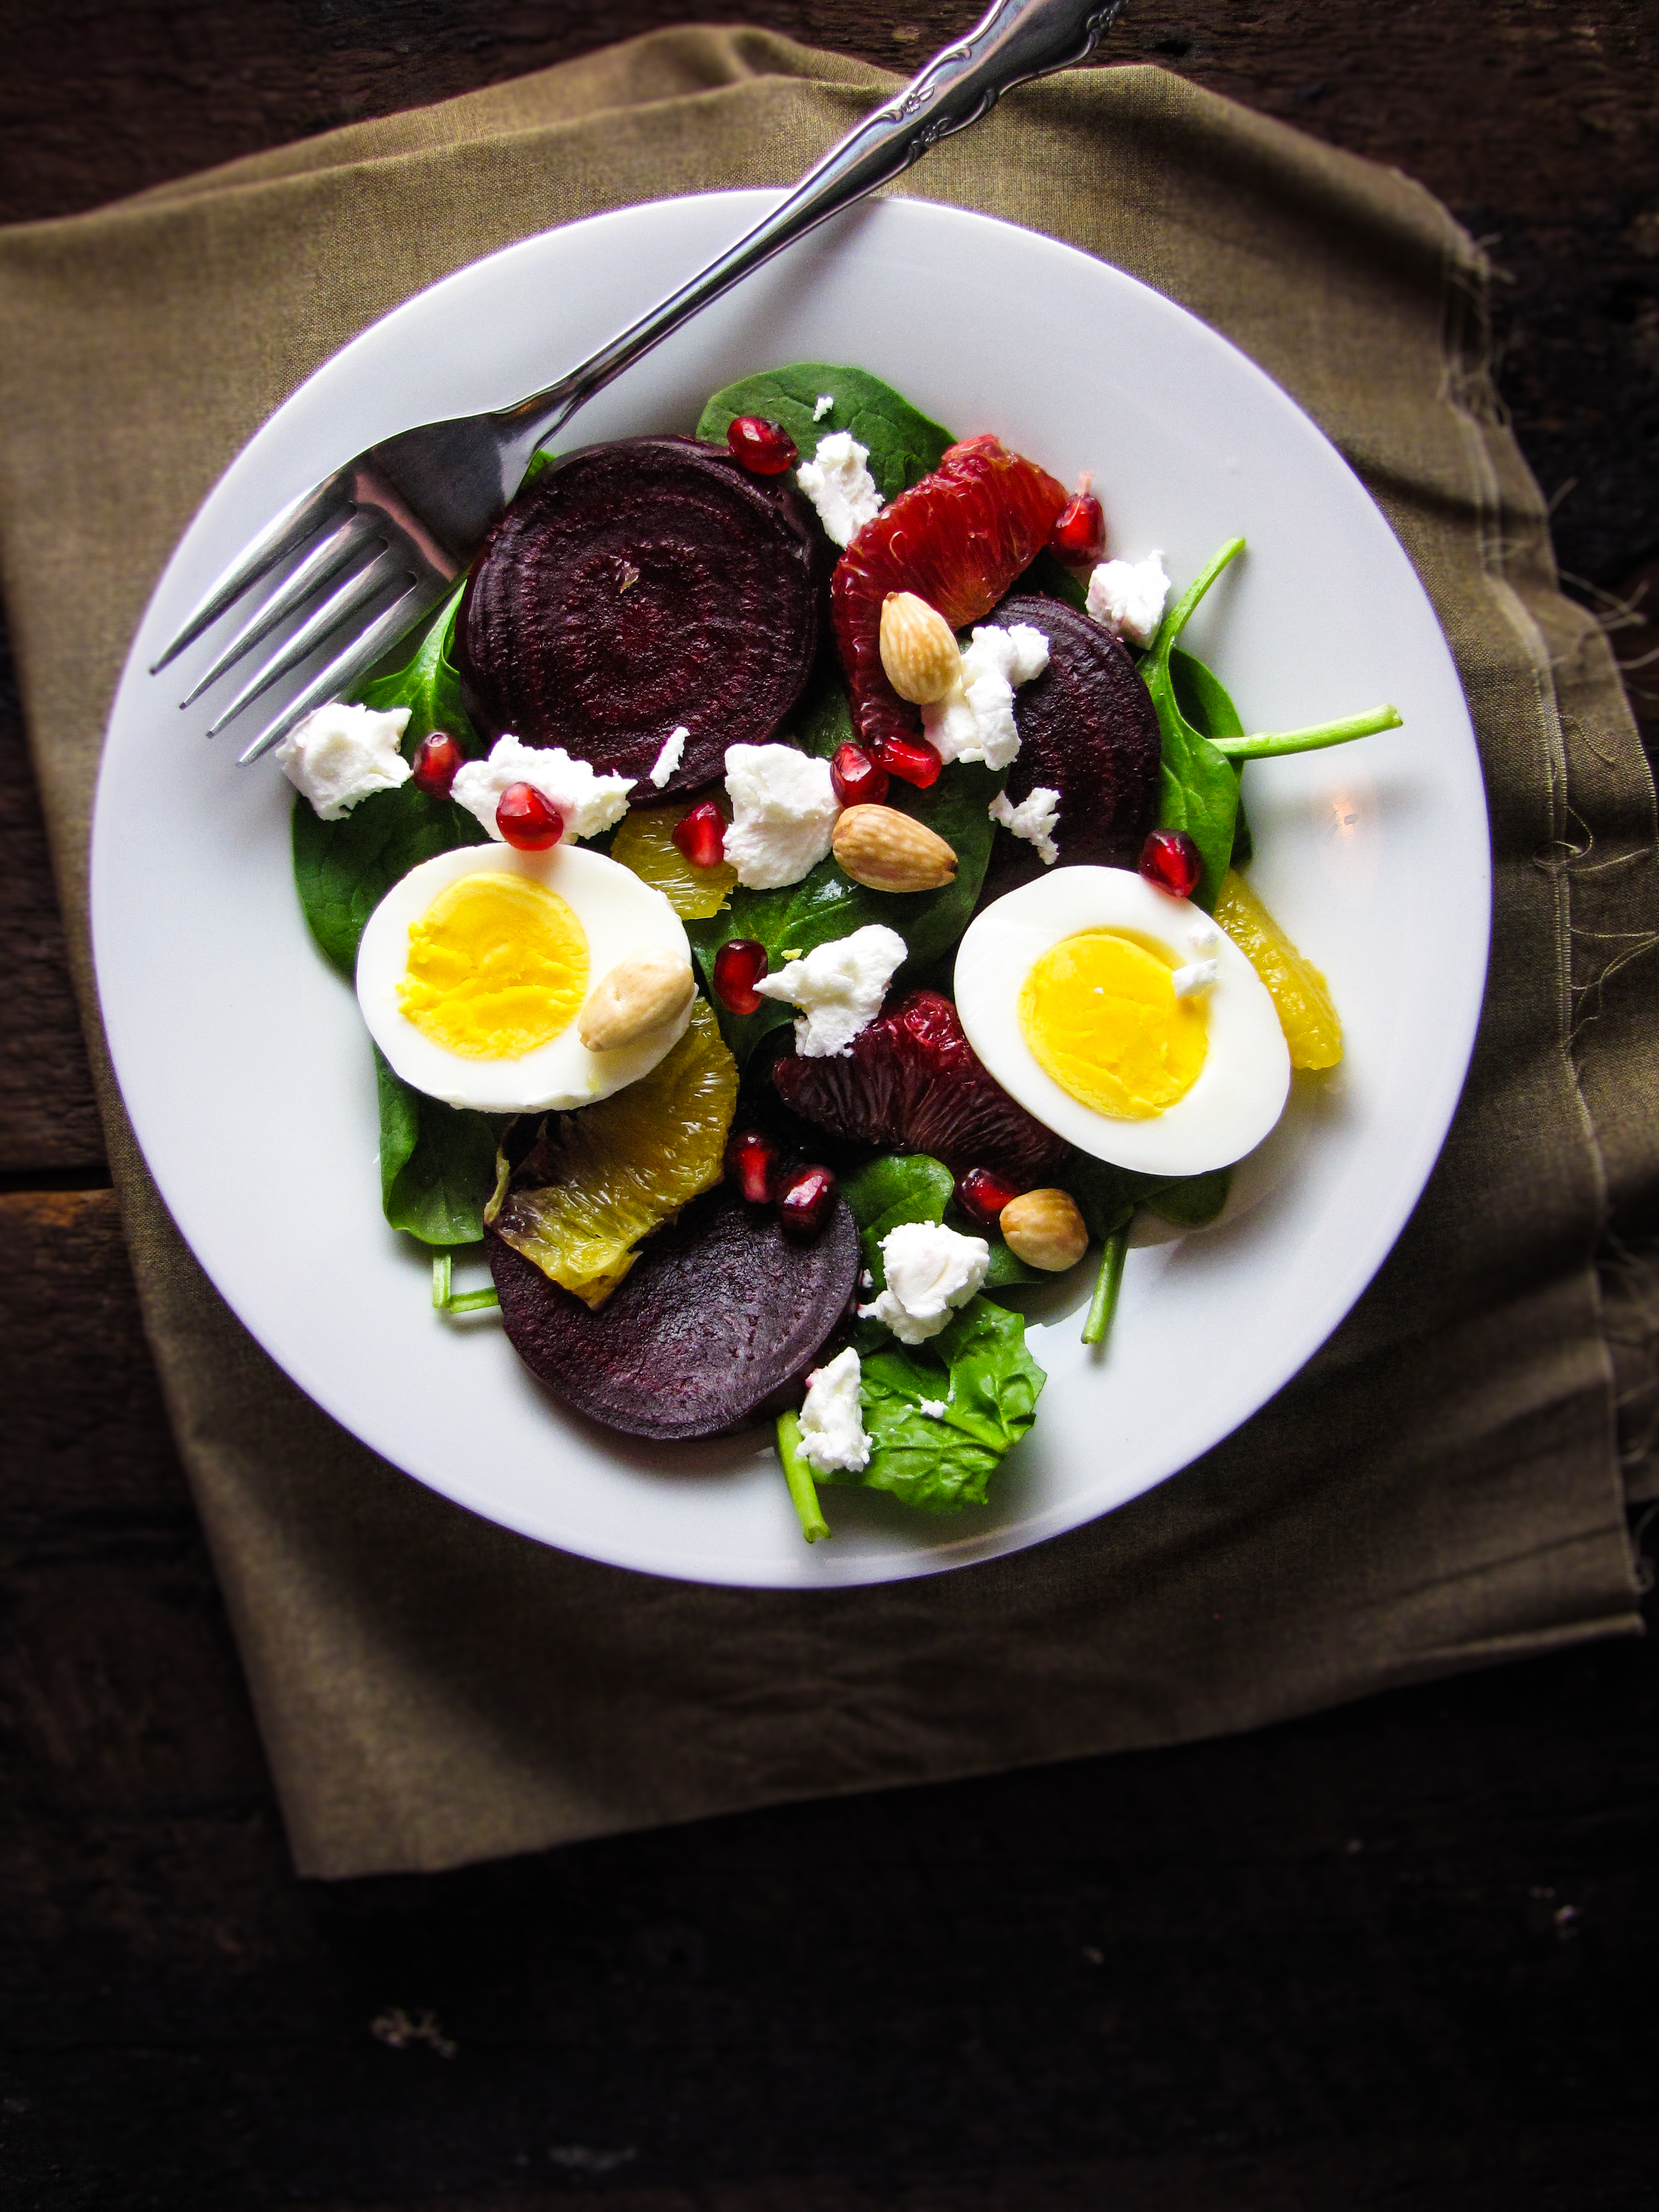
[406, 516]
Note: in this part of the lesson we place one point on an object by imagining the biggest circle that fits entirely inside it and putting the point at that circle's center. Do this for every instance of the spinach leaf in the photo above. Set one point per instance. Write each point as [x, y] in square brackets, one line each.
[898, 1187]
[1204, 700]
[903, 444]
[428, 685]
[827, 904]
[1106, 1196]
[990, 1384]
[1198, 789]
[344, 869]
[437, 1163]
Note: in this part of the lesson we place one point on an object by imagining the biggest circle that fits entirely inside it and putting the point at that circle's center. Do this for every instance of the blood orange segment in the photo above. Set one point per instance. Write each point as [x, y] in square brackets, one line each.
[958, 540]
[912, 1080]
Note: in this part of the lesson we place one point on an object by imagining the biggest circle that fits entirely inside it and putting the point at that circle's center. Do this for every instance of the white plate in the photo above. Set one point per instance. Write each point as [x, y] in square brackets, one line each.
[247, 1071]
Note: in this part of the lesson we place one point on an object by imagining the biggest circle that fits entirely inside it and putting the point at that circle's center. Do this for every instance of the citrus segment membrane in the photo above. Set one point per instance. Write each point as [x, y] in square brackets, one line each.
[1301, 996]
[595, 1182]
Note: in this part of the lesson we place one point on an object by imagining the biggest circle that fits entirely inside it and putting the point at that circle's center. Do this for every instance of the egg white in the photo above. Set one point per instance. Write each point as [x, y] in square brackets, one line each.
[1240, 1089]
[620, 916]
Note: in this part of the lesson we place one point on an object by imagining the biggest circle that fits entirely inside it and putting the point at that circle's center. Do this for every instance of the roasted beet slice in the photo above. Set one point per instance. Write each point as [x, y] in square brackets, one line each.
[717, 1316]
[637, 588]
[912, 1080]
[1088, 730]
[958, 540]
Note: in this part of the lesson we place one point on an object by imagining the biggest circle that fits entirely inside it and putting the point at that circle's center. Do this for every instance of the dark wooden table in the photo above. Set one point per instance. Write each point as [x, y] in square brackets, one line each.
[1401, 1954]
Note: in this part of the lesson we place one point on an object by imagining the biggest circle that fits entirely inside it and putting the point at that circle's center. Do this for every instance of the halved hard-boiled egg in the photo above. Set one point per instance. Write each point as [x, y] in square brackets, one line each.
[1125, 1019]
[475, 967]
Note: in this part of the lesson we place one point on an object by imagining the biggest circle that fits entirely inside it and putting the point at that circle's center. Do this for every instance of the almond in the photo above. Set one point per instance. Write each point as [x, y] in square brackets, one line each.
[1044, 1229]
[918, 649]
[639, 994]
[887, 851]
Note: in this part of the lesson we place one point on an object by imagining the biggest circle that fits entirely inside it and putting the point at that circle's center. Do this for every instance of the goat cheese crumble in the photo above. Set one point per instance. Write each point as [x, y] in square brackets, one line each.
[339, 753]
[839, 988]
[673, 751]
[826, 404]
[588, 803]
[1127, 597]
[832, 1432]
[931, 1271]
[1033, 819]
[933, 1408]
[1197, 975]
[784, 810]
[975, 721]
[839, 485]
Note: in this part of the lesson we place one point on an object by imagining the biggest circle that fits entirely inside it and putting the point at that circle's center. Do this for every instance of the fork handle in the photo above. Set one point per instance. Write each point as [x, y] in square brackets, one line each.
[1018, 39]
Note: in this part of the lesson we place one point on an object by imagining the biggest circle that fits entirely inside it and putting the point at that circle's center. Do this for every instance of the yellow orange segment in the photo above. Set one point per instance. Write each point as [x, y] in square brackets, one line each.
[645, 843]
[608, 1176]
[1307, 1012]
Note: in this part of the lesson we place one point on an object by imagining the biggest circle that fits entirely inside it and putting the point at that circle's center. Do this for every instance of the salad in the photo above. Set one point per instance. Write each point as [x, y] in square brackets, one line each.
[795, 892]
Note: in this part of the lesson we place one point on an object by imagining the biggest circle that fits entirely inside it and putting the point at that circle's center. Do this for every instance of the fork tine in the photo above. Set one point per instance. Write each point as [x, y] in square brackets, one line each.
[340, 675]
[358, 590]
[300, 520]
[295, 589]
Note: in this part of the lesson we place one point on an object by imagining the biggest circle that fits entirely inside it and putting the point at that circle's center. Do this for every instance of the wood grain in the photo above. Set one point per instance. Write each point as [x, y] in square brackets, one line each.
[1399, 1954]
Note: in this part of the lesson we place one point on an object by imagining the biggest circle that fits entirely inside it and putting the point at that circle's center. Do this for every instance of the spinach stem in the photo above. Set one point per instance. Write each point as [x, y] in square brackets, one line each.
[446, 1299]
[1103, 1304]
[1267, 744]
[799, 1475]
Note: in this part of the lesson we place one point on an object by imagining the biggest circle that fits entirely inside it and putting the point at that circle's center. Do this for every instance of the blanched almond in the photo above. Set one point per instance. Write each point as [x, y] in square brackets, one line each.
[887, 851]
[1044, 1229]
[639, 994]
[918, 649]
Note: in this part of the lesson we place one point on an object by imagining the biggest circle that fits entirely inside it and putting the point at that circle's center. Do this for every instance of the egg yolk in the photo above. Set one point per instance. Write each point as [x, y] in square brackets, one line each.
[497, 965]
[1100, 1017]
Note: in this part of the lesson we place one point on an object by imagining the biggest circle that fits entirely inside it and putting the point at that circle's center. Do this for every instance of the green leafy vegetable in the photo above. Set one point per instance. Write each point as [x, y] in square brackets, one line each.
[899, 1187]
[1205, 743]
[827, 904]
[903, 444]
[428, 685]
[978, 1367]
[437, 1163]
[1198, 789]
[1106, 1196]
[344, 869]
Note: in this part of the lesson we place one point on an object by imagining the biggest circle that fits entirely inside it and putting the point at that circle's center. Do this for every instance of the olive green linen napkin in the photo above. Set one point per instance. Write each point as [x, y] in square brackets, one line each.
[1440, 1488]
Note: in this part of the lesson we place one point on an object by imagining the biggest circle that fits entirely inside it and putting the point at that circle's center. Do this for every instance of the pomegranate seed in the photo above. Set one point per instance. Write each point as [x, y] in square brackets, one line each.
[983, 1195]
[804, 1206]
[738, 966]
[1079, 537]
[526, 820]
[766, 449]
[751, 1161]
[436, 759]
[911, 760]
[701, 836]
[857, 781]
[1170, 860]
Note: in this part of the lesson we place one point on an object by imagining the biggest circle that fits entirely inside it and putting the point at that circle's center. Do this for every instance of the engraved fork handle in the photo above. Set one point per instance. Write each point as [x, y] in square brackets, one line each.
[1018, 41]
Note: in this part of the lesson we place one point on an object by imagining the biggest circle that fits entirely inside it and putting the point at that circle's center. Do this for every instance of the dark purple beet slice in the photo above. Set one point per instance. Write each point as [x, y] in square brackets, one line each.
[1088, 730]
[718, 1315]
[637, 586]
